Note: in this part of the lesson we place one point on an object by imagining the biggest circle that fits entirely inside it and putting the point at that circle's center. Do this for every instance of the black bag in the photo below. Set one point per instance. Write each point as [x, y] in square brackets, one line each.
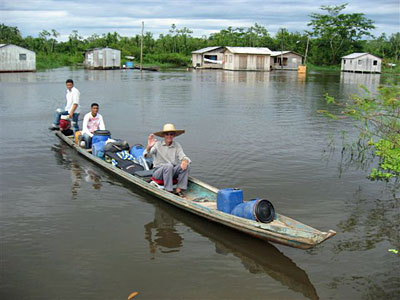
[116, 146]
[125, 165]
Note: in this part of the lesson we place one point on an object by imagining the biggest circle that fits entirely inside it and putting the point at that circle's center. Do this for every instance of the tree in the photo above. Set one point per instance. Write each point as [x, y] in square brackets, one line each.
[337, 32]
[54, 34]
[378, 120]
[10, 35]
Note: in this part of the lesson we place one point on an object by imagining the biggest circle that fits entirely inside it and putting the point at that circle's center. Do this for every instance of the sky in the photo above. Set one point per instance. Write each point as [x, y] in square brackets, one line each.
[203, 17]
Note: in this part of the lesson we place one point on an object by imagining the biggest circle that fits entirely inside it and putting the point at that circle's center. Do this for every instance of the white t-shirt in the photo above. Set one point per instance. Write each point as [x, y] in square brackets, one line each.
[91, 124]
[72, 97]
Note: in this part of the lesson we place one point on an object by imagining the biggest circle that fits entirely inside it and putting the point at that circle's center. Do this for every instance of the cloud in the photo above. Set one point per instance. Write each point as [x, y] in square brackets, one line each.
[201, 16]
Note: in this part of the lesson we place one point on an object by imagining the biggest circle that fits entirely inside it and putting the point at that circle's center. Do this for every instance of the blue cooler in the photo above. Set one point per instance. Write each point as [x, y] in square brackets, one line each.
[260, 210]
[100, 135]
[98, 149]
[227, 199]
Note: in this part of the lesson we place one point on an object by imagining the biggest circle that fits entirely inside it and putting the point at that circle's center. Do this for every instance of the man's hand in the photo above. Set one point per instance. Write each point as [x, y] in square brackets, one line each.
[184, 164]
[70, 116]
[151, 141]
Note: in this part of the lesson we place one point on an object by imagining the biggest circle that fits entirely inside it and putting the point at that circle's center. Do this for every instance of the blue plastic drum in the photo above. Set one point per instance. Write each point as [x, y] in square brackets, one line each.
[100, 136]
[260, 210]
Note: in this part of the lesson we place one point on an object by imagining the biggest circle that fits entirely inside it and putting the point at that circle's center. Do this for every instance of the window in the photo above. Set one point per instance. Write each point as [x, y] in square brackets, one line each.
[344, 61]
[375, 62]
[211, 57]
[22, 56]
[230, 58]
[359, 62]
[100, 55]
[226, 58]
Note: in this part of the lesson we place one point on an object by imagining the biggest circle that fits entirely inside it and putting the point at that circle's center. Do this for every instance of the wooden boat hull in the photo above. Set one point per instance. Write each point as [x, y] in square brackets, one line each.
[282, 230]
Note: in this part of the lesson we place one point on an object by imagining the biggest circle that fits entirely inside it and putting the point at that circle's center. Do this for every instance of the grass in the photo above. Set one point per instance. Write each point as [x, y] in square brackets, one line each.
[56, 60]
[323, 68]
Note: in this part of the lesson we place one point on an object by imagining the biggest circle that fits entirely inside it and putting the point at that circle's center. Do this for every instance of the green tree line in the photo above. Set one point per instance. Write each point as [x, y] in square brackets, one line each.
[331, 35]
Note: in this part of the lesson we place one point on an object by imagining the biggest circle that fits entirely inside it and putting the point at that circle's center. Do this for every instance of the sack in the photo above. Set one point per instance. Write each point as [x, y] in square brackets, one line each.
[116, 146]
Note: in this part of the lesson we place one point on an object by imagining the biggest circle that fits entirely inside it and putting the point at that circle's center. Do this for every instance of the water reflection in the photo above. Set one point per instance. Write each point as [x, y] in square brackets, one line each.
[257, 256]
[78, 172]
[161, 234]
[369, 80]
[249, 78]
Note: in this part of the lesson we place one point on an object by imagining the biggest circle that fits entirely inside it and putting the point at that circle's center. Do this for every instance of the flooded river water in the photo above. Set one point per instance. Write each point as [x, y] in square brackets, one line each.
[71, 231]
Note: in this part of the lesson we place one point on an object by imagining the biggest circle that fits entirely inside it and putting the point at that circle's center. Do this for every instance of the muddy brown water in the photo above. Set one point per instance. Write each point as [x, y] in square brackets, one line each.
[69, 230]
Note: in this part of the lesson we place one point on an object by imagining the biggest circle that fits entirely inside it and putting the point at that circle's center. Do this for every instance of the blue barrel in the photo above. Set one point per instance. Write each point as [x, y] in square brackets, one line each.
[228, 198]
[260, 210]
[129, 64]
[100, 135]
[98, 149]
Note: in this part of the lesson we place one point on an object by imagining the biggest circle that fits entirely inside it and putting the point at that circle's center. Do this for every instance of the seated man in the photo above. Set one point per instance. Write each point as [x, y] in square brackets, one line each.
[170, 162]
[71, 109]
[92, 121]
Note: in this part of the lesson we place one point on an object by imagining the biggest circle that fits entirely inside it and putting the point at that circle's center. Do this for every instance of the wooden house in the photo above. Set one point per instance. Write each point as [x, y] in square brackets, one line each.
[246, 59]
[208, 58]
[102, 59]
[361, 63]
[16, 59]
[286, 60]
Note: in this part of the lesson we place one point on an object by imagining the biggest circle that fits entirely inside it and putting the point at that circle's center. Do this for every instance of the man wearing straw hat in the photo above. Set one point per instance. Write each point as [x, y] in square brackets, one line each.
[169, 160]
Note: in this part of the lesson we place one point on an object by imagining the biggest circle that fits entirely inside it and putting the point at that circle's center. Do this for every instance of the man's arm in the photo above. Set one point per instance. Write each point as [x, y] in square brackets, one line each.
[151, 141]
[71, 113]
[85, 129]
[75, 102]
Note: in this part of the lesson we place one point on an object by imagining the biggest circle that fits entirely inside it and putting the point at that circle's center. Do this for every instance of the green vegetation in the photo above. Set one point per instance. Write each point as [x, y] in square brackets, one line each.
[378, 119]
[332, 34]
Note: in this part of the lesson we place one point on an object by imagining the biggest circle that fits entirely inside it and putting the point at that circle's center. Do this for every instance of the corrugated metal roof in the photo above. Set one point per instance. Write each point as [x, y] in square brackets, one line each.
[356, 55]
[276, 53]
[2, 45]
[207, 49]
[249, 50]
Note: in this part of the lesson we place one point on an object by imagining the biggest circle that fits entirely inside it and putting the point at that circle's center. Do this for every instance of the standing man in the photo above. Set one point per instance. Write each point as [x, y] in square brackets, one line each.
[71, 109]
[92, 121]
[170, 162]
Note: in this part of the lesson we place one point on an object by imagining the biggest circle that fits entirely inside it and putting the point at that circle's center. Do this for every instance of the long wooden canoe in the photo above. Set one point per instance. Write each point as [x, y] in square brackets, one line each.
[201, 199]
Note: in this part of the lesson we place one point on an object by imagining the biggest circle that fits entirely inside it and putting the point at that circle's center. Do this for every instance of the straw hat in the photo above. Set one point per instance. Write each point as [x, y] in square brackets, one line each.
[169, 128]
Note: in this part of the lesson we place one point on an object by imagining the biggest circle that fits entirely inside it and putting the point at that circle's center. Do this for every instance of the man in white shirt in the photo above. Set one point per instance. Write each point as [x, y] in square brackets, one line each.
[92, 121]
[71, 109]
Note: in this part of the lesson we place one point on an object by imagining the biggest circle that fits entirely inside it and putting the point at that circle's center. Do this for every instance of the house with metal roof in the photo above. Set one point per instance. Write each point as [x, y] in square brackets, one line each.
[246, 59]
[14, 58]
[361, 63]
[208, 58]
[286, 60]
[102, 59]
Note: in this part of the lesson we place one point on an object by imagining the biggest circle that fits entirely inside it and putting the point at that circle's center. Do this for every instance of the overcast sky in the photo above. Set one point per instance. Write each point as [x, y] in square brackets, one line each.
[201, 16]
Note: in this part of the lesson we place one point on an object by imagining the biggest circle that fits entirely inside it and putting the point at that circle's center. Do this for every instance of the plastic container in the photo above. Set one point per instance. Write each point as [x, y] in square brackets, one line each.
[65, 124]
[260, 210]
[228, 198]
[98, 149]
[137, 151]
[100, 136]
